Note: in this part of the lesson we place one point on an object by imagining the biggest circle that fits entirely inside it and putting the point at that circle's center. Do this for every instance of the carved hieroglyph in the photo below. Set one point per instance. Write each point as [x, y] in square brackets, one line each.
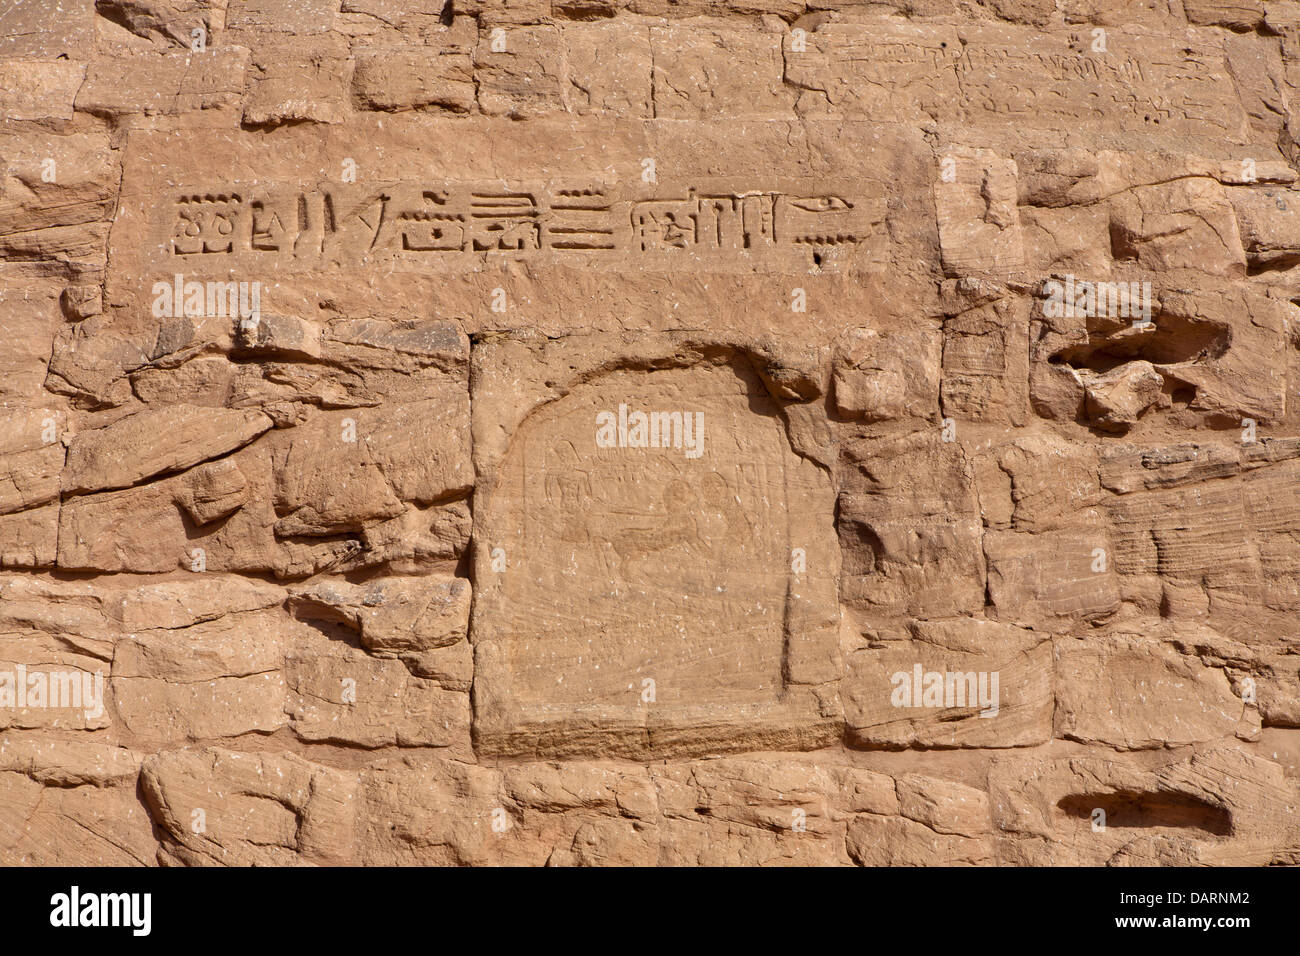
[438, 222]
[646, 599]
[987, 75]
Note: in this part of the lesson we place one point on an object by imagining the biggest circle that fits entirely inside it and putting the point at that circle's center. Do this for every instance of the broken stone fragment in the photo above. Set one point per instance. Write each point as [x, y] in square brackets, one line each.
[67, 801]
[1132, 693]
[883, 376]
[343, 696]
[213, 491]
[81, 301]
[155, 441]
[298, 79]
[31, 457]
[1115, 400]
[268, 808]
[164, 83]
[165, 22]
[963, 682]
[280, 335]
[1216, 807]
[1185, 224]
[975, 198]
[327, 481]
[394, 614]
[414, 78]
[1269, 219]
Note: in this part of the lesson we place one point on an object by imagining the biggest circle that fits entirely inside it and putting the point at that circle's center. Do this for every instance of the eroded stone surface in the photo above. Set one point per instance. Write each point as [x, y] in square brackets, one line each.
[650, 554]
[989, 520]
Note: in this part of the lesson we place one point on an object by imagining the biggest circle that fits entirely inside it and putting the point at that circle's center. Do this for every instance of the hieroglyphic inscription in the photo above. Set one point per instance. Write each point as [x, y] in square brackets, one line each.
[893, 73]
[748, 221]
[636, 563]
[1146, 83]
[406, 220]
[625, 562]
[1128, 81]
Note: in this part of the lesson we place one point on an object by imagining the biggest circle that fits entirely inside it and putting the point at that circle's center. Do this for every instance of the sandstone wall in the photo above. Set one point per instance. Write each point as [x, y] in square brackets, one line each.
[371, 567]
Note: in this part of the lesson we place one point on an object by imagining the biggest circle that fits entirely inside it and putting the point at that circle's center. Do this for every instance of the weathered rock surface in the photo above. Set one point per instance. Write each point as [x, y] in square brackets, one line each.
[649, 433]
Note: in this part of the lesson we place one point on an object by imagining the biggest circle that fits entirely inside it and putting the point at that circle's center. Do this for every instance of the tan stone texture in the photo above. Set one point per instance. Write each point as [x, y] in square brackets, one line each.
[649, 433]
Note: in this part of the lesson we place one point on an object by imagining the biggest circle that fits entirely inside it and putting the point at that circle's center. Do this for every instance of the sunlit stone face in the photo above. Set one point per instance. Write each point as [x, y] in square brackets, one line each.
[646, 522]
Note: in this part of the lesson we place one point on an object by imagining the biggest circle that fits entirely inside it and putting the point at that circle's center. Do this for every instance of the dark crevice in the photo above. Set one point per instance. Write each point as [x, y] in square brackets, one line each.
[1131, 809]
[1280, 263]
[1171, 342]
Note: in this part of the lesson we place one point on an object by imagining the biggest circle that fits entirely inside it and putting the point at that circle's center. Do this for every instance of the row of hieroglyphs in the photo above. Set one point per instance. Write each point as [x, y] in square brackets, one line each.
[853, 49]
[447, 219]
[1124, 80]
